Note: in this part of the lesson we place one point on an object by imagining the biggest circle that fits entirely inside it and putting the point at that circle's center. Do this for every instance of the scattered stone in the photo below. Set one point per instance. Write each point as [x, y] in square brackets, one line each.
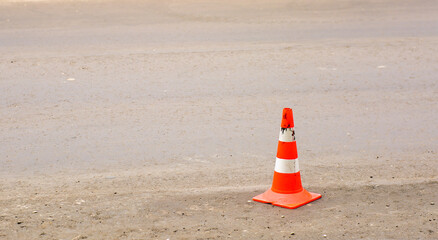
[324, 235]
[19, 222]
[79, 237]
[292, 233]
[282, 216]
[35, 211]
[387, 205]
[371, 176]
[249, 201]
[70, 79]
[432, 203]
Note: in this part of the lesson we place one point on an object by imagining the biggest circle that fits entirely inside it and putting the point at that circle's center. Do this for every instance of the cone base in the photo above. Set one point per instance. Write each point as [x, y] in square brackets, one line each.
[291, 200]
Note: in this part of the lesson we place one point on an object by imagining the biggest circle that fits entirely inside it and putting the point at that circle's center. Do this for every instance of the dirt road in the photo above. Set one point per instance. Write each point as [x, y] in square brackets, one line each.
[160, 119]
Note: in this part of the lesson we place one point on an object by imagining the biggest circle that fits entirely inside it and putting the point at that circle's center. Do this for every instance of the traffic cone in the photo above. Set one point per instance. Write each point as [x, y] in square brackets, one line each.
[286, 190]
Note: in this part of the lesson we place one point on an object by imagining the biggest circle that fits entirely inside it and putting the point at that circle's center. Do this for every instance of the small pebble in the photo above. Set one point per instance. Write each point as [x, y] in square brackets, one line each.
[249, 200]
[70, 79]
[35, 212]
[432, 203]
[282, 216]
[292, 233]
[324, 235]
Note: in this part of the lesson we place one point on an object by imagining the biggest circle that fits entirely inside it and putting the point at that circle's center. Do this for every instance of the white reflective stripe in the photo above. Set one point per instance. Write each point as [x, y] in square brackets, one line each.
[286, 166]
[287, 135]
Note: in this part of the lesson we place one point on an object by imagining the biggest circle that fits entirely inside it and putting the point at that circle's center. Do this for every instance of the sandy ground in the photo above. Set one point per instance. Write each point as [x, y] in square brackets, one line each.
[160, 119]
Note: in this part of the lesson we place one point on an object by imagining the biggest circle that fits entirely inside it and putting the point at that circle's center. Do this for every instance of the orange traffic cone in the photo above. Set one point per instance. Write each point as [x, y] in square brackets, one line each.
[286, 190]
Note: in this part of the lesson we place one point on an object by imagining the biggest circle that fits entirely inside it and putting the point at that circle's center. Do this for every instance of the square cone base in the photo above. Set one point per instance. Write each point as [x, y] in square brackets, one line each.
[287, 200]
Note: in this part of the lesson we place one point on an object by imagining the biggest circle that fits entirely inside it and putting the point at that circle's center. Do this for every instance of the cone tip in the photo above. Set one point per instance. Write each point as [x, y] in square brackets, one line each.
[288, 119]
